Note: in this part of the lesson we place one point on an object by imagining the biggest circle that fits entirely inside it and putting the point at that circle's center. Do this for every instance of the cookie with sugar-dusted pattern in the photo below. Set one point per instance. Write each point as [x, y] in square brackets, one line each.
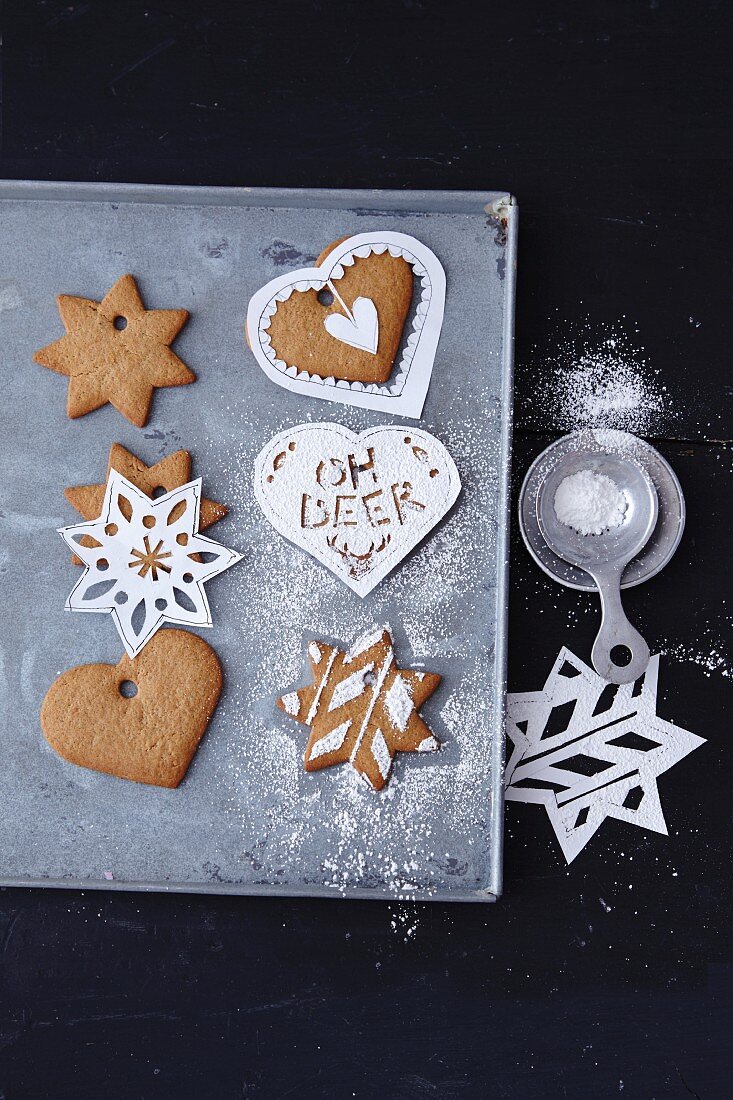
[361, 707]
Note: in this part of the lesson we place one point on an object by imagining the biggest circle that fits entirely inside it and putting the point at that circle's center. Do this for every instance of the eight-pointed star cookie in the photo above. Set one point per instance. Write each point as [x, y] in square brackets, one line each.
[116, 351]
[361, 707]
[170, 473]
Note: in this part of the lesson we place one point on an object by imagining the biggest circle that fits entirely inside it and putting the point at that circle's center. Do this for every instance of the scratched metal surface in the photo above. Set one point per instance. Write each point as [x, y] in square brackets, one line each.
[246, 819]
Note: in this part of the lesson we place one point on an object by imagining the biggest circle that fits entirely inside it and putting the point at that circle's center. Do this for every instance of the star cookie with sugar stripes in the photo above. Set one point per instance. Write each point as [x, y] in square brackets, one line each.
[362, 708]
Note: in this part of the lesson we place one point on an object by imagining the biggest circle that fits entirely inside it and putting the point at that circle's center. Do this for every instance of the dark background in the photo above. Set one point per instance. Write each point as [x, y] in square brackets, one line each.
[610, 122]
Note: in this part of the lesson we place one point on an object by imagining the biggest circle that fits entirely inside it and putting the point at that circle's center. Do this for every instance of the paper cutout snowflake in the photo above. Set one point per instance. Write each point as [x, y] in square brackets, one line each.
[362, 708]
[148, 563]
[587, 750]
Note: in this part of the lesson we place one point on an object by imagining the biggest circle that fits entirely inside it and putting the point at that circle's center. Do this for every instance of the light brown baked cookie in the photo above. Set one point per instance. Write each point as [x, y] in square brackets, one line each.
[116, 351]
[150, 738]
[170, 473]
[361, 707]
[299, 337]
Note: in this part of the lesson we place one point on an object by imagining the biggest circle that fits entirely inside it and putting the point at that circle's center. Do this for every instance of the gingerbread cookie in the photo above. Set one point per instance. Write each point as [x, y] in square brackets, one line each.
[339, 326]
[116, 351]
[146, 563]
[89, 718]
[340, 331]
[362, 708]
[357, 503]
[170, 473]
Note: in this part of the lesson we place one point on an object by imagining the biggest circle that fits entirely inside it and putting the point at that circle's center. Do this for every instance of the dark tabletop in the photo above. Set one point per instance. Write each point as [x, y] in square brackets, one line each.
[610, 122]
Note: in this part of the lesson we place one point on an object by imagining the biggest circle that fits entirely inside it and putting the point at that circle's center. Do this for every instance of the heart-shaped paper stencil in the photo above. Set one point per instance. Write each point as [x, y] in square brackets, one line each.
[357, 503]
[151, 737]
[370, 339]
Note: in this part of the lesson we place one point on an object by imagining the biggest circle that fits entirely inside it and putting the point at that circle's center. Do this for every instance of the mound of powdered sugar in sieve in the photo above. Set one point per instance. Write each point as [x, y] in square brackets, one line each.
[590, 503]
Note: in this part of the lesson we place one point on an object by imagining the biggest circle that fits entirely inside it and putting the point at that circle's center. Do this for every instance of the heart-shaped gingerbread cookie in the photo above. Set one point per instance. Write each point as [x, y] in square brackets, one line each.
[335, 336]
[150, 737]
[360, 328]
[357, 503]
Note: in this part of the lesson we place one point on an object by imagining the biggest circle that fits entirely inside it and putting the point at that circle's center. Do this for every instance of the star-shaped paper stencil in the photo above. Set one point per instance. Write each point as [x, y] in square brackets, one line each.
[148, 563]
[362, 708]
[170, 473]
[587, 750]
[116, 351]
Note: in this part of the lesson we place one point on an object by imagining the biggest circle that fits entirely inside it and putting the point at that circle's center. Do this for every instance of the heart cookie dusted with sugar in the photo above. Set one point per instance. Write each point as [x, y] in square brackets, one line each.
[360, 328]
[357, 503]
[141, 719]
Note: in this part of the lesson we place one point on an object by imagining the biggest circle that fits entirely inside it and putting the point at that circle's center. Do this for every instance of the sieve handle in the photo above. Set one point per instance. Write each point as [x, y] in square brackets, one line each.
[616, 630]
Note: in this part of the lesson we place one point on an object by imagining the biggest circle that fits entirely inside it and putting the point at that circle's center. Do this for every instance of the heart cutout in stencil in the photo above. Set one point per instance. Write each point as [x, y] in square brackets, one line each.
[150, 737]
[357, 503]
[360, 328]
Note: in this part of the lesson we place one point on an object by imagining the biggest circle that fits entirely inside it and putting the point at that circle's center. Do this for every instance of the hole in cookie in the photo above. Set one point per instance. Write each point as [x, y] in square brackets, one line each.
[111, 529]
[183, 600]
[102, 564]
[128, 689]
[158, 491]
[138, 617]
[325, 297]
[161, 604]
[96, 591]
[370, 679]
[176, 512]
[203, 555]
[188, 577]
[182, 539]
[120, 322]
[120, 598]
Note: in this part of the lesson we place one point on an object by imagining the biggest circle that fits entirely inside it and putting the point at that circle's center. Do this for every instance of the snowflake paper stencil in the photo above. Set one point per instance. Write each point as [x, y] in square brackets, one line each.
[148, 563]
[587, 750]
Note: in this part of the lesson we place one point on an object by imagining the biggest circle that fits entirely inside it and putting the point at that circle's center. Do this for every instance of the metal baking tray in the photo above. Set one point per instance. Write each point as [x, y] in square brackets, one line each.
[248, 819]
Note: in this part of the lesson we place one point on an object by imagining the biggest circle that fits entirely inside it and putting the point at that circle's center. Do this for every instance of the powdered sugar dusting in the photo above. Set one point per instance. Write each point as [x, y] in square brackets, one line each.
[426, 831]
[399, 703]
[332, 741]
[291, 702]
[595, 378]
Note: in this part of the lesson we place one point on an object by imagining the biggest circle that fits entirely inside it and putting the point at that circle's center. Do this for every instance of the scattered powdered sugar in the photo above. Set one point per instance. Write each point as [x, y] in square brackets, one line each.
[427, 831]
[589, 502]
[597, 379]
[711, 661]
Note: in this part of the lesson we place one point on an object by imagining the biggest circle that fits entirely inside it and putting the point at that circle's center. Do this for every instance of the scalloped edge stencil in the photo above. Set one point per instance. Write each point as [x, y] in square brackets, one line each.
[405, 391]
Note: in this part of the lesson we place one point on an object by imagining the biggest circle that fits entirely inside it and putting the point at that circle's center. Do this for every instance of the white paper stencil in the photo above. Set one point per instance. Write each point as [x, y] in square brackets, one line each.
[404, 392]
[142, 567]
[358, 326]
[587, 750]
[357, 503]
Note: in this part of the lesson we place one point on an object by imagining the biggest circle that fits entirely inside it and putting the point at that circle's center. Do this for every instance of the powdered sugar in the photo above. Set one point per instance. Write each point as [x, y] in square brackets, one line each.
[596, 378]
[399, 703]
[589, 502]
[422, 833]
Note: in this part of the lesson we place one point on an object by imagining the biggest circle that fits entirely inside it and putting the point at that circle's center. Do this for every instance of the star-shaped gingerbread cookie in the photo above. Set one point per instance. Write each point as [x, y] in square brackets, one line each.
[116, 351]
[170, 473]
[361, 707]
